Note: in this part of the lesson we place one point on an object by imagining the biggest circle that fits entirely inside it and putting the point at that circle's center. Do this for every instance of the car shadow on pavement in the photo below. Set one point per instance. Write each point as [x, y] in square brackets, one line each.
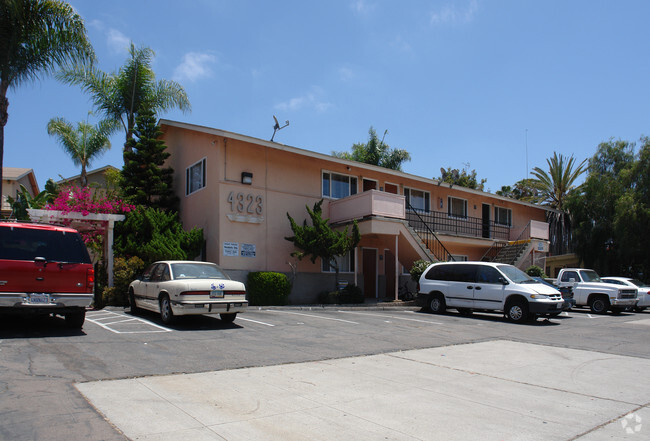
[187, 323]
[496, 318]
[35, 326]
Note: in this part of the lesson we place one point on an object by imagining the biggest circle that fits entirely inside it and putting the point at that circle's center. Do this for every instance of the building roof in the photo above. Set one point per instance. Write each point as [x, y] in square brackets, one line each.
[325, 157]
[15, 174]
[88, 174]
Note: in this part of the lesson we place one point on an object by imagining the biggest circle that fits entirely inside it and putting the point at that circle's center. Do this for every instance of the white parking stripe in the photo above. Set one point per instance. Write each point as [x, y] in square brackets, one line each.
[97, 318]
[315, 316]
[392, 316]
[254, 321]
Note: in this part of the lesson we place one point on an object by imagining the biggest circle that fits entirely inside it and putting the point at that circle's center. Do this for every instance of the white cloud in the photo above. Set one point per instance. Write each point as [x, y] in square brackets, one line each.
[195, 66]
[453, 14]
[117, 41]
[362, 6]
[310, 100]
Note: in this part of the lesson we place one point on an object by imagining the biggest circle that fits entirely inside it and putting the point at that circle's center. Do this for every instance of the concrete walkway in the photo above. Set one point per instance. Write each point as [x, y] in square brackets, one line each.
[498, 390]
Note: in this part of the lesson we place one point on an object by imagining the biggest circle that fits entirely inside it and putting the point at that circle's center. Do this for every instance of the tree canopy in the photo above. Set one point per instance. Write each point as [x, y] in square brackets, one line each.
[319, 240]
[144, 180]
[121, 94]
[462, 178]
[611, 210]
[560, 179]
[36, 37]
[83, 143]
[376, 152]
[526, 190]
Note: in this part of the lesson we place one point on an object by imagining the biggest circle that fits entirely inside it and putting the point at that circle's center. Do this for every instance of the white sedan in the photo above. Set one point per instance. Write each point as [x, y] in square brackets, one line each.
[174, 288]
[644, 290]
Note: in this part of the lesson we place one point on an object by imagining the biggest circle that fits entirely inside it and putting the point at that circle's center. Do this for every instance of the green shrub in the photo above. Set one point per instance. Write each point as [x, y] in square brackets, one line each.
[268, 288]
[124, 272]
[535, 271]
[418, 268]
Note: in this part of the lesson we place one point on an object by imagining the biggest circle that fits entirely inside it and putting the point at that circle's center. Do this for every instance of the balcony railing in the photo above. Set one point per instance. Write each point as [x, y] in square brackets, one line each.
[442, 223]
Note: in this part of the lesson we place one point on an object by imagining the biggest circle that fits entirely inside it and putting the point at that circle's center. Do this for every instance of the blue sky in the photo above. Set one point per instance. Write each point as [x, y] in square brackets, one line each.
[495, 86]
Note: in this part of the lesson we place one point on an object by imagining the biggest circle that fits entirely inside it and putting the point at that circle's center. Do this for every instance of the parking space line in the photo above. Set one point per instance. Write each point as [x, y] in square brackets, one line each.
[254, 321]
[314, 316]
[107, 315]
[392, 316]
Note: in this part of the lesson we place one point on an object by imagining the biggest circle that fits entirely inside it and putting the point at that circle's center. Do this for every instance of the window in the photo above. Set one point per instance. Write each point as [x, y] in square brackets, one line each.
[503, 216]
[195, 177]
[487, 274]
[338, 186]
[568, 275]
[346, 264]
[418, 199]
[459, 258]
[456, 207]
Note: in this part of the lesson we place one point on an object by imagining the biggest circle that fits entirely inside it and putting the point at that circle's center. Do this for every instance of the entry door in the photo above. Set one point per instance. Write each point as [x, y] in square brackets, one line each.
[370, 273]
[486, 221]
[389, 271]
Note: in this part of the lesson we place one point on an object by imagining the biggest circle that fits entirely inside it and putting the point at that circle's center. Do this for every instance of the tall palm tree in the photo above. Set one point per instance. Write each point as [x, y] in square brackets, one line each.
[84, 143]
[560, 179]
[554, 187]
[119, 95]
[36, 37]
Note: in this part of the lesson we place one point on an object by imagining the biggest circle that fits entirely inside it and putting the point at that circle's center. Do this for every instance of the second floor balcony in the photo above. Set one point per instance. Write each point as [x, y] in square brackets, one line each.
[388, 205]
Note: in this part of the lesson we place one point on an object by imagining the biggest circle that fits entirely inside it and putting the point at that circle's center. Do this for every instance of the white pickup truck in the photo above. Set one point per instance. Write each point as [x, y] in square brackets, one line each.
[589, 290]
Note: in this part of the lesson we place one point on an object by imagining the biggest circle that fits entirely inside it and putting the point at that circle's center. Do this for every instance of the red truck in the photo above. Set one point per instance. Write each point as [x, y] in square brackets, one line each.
[45, 269]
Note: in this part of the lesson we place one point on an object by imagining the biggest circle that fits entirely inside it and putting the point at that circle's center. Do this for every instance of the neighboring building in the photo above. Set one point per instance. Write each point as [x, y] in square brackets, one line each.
[12, 178]
[239, 189]
[96, 178]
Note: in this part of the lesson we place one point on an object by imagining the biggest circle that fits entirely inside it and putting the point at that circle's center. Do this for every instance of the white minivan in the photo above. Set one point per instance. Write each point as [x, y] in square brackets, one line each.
[486, 286]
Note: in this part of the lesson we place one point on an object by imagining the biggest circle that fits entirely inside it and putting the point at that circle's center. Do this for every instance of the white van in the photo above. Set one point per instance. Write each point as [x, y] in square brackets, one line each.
[470, 286]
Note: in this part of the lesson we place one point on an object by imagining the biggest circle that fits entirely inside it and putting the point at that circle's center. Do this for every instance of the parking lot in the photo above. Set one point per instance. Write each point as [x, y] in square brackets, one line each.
[366, 373]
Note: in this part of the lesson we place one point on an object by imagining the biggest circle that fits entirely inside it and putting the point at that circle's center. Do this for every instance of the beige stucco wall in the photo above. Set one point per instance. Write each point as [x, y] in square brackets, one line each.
[285, 180]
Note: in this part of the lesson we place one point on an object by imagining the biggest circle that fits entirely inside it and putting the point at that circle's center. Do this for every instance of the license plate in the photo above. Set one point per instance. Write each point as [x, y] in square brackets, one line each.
[38, 299]
[558, 306]
[216, 294]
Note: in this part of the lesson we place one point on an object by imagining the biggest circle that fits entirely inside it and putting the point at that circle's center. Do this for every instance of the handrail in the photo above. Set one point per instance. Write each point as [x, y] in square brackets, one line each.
[430, 240]
[496, 247]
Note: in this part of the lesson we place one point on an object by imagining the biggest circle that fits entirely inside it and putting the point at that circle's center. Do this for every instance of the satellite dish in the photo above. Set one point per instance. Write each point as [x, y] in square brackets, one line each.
[277, 127]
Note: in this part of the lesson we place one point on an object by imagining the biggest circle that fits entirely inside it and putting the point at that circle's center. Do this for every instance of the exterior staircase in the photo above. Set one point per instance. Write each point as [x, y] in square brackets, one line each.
[512, 252]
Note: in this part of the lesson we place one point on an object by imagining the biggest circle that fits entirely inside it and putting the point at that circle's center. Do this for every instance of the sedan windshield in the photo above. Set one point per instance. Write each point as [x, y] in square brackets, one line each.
[515, 274]
[197, 271]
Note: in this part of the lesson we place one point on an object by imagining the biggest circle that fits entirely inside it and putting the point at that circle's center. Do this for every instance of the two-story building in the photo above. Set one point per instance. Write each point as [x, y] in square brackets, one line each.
[239, 189]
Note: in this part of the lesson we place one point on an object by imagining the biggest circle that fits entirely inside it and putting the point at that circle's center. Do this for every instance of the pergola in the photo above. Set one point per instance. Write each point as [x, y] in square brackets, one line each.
[85, 222]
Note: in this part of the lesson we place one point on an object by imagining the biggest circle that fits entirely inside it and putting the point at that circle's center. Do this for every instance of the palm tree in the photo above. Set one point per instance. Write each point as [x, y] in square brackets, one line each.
[120, 95]
[84, 143]
[554, 187]
[556, 184]
[36, 37]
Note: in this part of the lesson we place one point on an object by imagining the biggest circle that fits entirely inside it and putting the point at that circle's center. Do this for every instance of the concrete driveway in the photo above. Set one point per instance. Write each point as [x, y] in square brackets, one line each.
[496, 390]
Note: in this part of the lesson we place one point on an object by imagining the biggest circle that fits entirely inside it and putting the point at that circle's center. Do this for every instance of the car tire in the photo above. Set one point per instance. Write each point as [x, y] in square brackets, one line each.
[75, 320]
[228, 318]
[166, 313]
[517, 311]
[134, 308]
[599, 304]
[639, 308]
[437, 304]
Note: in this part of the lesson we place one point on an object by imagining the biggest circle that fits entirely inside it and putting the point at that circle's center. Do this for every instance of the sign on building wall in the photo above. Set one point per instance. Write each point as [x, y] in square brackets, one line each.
[248, 250]
[231, 249]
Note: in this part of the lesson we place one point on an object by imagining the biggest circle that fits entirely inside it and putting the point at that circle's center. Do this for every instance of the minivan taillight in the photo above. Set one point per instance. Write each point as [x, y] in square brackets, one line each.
[90, 278]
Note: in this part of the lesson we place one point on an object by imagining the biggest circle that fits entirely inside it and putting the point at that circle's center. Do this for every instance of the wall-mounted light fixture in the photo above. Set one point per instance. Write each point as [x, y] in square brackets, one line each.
[246, 178]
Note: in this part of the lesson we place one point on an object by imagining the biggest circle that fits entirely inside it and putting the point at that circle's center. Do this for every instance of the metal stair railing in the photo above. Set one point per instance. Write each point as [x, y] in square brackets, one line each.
[420, 226]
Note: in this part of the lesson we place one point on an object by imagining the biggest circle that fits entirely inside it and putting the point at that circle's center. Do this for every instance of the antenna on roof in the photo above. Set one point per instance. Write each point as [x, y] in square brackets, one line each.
[277, 127]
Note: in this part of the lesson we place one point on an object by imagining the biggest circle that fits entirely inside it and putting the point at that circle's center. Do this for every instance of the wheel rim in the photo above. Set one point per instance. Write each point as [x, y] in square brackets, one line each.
[165, 309]
[516, 313]
[435, 304]
[598, 305]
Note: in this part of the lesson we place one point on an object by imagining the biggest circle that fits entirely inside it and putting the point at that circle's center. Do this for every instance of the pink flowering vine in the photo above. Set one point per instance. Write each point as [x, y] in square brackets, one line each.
[84, 201]
[73, 199]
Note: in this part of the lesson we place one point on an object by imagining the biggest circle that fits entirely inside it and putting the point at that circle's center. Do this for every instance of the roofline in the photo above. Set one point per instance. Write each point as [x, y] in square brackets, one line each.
[29, 172]
[88, 173]
[322, 156]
